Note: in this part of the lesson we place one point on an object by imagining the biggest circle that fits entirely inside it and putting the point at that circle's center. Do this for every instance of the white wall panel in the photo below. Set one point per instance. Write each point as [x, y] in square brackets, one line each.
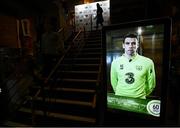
[85, 14]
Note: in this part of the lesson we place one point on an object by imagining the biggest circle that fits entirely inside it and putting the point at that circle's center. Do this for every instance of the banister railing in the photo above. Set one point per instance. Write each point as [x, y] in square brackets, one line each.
[60, 60]
[76, 37]
[61, 30]
[78, 41]
[99, 72]
[75, 42]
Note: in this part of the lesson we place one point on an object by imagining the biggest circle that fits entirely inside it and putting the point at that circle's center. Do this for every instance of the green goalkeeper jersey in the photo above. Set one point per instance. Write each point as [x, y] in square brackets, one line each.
[135, 78]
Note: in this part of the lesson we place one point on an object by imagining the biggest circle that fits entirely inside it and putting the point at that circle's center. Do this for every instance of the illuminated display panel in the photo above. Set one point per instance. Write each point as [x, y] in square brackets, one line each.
[154, 43]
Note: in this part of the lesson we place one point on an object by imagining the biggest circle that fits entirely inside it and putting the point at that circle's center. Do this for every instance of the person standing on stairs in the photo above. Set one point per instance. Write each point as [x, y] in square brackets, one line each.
[99, 16]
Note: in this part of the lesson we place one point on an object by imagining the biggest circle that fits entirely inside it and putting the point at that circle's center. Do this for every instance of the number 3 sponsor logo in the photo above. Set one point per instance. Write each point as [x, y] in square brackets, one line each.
[153, 107]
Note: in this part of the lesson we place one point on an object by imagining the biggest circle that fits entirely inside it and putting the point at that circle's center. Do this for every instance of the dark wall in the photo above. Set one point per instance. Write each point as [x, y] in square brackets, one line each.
[127, 10]
[132, 10]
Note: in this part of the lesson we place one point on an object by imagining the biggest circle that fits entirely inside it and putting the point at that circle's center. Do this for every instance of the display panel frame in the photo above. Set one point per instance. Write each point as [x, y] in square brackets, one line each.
[165, 59]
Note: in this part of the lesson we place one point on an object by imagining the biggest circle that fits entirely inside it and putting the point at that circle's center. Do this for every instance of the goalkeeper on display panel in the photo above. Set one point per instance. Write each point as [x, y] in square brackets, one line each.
[132, 75]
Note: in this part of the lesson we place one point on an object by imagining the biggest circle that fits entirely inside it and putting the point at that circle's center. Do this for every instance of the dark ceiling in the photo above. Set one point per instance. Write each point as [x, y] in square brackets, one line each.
[22, 8]
[25, 7]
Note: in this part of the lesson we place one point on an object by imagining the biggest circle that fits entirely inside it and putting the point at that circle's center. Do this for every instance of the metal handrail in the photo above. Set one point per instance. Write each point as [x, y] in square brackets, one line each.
[77, 35]
[98, 81]
[56, 66]
[100, 70]
[52, 72]
[61, 29]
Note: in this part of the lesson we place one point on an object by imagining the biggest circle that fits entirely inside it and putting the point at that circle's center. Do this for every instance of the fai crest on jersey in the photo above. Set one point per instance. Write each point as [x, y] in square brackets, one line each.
[138, 67]
[121, 66]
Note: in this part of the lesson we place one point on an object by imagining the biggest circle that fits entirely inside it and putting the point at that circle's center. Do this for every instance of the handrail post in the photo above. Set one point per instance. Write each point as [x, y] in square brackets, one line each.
[91, 21]
[99, 91]
[33, 110]
[63, 35]
[84, 33]
[43, 100]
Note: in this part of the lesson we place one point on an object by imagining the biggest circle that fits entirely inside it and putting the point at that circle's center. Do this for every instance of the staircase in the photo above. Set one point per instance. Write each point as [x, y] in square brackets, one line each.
[70, 96]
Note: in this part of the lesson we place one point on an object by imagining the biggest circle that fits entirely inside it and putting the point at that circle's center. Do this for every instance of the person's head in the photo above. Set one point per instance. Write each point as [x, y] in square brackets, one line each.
[97, 5]
[130, 44]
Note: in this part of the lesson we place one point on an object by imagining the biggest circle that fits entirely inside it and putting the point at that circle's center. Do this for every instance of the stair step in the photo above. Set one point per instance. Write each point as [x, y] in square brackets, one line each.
[68, 89]
[94, 44]
[61, 115]
[91, 49]
[65, 101]
[92, 53]
[85, 54]
[14, 124]
[94, 37]
[77, 67]
[78, 84]
[80, 80]
[51, 105]
[80, 72]
[76, 94]
[77, 90]
[72, 117]
[85, 49]
[67, 73]
[80, 64]
[82, 60]
[93, 41]
[94, 34]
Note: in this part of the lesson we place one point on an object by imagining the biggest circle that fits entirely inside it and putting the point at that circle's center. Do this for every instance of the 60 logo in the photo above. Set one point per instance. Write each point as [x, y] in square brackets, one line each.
[153, 107]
